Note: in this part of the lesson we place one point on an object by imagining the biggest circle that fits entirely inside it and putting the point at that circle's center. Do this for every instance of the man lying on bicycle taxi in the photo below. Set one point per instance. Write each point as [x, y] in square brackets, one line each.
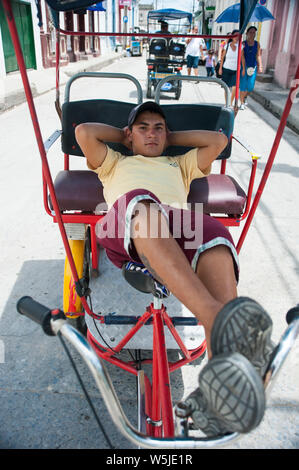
[146, 195]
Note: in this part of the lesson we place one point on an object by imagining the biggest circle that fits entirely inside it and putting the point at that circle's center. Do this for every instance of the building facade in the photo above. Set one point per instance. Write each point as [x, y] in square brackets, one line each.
[143, 12]
[38, 36]
[29, 34]
[279, 39]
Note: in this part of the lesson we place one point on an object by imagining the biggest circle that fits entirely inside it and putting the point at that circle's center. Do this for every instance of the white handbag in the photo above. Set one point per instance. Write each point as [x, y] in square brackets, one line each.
[250, 71]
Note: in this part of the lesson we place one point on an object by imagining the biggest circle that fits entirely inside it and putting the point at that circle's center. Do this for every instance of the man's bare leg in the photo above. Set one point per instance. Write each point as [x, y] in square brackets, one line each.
[243, 95]
[205, 292]
[215, 269]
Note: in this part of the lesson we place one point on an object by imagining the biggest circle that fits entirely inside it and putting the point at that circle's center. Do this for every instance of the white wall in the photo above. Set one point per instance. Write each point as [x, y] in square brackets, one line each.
[107, 43]
[2, 62]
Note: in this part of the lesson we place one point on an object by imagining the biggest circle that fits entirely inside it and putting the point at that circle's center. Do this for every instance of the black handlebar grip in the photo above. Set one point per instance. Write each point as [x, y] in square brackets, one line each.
[293, 314]
[36, 312]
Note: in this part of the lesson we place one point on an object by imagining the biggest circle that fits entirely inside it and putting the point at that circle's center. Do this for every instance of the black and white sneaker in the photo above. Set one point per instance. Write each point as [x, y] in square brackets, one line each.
[230, 397]
[244, 326]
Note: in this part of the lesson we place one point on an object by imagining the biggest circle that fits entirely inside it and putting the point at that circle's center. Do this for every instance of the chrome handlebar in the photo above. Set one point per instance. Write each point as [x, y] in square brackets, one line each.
[102, 379]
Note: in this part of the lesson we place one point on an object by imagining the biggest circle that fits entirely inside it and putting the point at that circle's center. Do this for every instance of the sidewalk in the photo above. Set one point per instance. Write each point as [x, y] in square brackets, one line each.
[273, 98]
[269, 95]
[41, 81]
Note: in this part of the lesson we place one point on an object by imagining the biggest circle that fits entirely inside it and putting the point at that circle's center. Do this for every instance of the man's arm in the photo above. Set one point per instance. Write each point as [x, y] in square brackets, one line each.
[91, 137]
[209, 144]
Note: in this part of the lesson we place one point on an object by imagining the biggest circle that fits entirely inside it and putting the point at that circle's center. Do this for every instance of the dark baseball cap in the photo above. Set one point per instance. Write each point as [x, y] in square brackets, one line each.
[151, 106]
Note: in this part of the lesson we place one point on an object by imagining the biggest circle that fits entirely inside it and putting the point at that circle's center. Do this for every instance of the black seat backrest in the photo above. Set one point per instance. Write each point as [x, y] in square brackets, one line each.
[176, 49]
[159, 47]
[210, 117]
[110, 112]
[178, 116]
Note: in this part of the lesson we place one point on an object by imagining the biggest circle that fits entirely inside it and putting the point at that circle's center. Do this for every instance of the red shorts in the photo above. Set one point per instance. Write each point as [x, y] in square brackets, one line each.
[194, 231]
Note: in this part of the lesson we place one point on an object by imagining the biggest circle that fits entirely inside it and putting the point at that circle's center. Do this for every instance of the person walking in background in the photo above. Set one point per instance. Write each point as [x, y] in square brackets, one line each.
[228, 64]
[251, 64]
[210, 63]
[194, 50]
[164, 28]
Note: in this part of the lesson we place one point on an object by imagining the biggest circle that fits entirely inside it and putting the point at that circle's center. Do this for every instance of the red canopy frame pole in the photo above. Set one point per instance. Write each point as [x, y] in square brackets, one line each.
[45, 167]
[238, 72]
[271, 157]
[57, 55]
[144, 35]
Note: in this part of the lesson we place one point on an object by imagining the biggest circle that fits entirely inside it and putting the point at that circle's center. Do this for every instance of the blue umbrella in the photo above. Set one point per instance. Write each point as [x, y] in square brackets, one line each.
[232, 14]
[96, 7]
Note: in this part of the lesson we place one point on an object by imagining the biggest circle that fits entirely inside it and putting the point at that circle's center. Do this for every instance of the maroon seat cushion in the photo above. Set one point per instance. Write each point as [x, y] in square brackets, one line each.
[82, 190]
[220, 194]
[79, 190]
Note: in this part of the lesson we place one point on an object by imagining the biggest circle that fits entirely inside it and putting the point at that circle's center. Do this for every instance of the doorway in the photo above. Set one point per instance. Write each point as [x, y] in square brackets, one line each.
[23, 19]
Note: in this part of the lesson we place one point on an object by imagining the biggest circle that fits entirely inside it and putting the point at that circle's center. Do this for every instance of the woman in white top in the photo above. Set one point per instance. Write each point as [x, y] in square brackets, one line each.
[229, 63]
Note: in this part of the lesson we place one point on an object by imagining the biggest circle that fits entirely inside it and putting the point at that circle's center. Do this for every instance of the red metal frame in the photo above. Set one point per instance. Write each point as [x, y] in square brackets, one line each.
[158, 402]
[158, 393]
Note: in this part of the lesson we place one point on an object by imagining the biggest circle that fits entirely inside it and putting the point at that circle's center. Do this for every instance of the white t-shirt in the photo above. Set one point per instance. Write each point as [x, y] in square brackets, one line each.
[193, 48]
[231, 58]
[169, 178]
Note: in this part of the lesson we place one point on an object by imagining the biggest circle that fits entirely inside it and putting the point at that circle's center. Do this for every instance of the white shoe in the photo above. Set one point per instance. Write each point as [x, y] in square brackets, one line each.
[242, 107]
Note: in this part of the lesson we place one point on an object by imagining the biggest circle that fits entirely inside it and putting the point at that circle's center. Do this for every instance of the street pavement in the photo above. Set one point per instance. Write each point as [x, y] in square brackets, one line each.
[42, 405]
[268, 94]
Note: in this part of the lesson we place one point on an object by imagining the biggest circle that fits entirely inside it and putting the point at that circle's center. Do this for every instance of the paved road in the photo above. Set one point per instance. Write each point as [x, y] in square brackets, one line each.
[42, 405]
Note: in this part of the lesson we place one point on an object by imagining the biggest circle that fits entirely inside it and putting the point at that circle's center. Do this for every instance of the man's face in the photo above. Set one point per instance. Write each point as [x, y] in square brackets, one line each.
[148, 135]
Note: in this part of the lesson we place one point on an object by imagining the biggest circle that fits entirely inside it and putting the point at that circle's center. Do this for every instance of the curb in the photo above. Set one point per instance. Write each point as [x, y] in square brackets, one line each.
[275, 109]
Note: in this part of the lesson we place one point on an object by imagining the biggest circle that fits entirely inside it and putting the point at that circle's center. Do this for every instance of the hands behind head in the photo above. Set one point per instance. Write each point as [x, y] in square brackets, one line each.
[127, 142]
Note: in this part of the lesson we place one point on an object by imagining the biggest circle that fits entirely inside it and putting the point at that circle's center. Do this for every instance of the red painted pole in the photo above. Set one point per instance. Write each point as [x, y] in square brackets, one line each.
[238, 72]
[45, 167]
[163, 375]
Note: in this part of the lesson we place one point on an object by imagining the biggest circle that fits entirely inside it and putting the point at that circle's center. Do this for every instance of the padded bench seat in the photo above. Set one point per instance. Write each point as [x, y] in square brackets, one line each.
[220, 194]
[78, 190]
[81, 190]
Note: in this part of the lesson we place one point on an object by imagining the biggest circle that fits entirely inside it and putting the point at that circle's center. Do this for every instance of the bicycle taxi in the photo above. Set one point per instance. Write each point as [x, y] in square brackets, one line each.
[165, 55]
[72, 200]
